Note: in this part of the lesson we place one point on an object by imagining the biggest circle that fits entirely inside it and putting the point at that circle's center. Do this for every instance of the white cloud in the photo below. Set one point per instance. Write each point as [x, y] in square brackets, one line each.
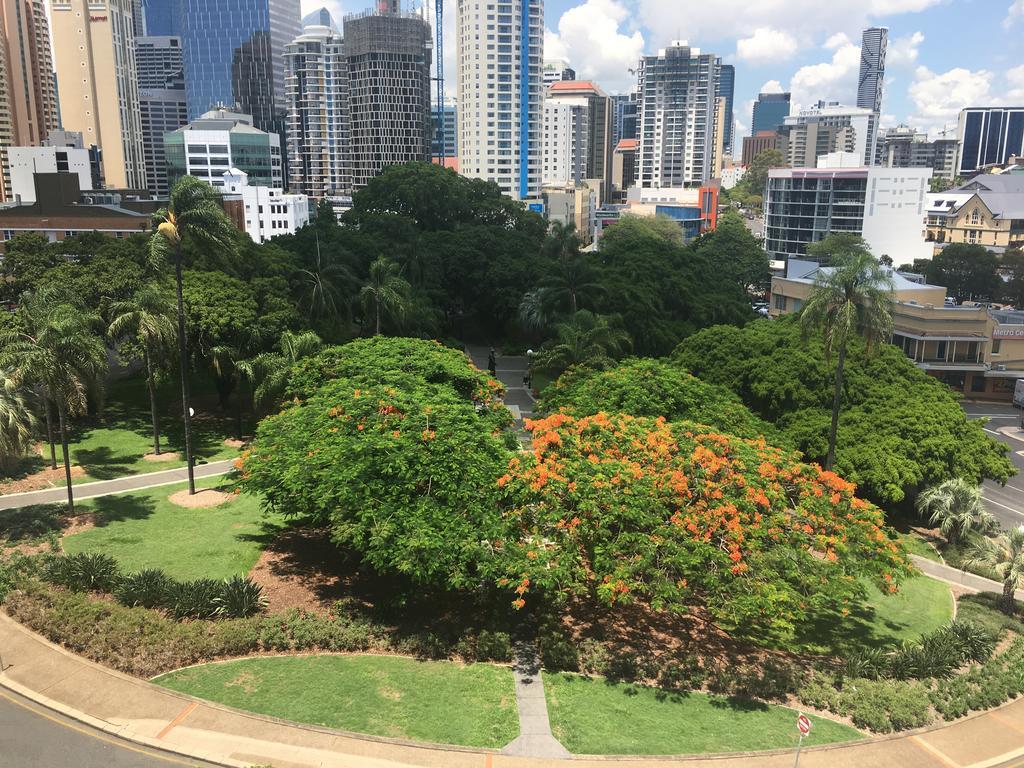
[590, 37]
[939, 97]
[1014, 13]
[834, 80]
[336, 7]
[838, 40]
[772, 86]
[903, 51]
[1015, 81]
[766, 45]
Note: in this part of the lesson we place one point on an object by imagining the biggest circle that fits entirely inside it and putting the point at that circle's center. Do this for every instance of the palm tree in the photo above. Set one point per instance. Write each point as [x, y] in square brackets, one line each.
[193, 211]
[534, 310]
[148, 318]
[572, 278]
[17, 422]
[585, 338]
[955, 506]
[386, 292]
[268, 372]
[57, 349]
[1004, 555]
[851, 297]
[323, 288]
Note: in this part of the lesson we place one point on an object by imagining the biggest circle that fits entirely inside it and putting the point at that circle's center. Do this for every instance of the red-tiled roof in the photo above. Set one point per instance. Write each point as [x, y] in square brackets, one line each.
[573, 85]
[447, 162]
[627, 144]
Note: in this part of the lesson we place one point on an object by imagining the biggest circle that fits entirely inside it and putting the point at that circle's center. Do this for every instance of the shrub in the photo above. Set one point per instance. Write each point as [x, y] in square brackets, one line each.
[240, 597]
[150, 588]
[884, 706]
[558, 653]
[593, 657]
[683, 675]
[870, 663]
[85, 572]
[194, 599]
[493, 646]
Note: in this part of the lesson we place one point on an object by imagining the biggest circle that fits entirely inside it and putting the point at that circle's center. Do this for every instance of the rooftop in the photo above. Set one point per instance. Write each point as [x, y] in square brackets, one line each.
[626, 145]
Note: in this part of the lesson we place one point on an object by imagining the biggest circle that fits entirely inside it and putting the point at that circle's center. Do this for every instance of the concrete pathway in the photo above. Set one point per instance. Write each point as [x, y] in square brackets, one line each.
[510, 372]
[535, 738]
[118, 485]
[951, 575]
[153, 717]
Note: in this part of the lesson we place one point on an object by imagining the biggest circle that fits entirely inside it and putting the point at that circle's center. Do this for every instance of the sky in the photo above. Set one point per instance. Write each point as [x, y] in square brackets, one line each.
[943, 54]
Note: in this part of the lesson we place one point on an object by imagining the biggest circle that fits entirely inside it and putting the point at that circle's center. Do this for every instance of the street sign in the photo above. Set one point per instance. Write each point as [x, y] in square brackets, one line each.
[804, 724]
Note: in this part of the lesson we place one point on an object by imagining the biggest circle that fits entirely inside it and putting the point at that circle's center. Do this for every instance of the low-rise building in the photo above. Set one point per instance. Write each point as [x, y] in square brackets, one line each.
[974, 349]
[572, 205]
[623, 168]
[886, 206]
[988, 210]
[262, 212]
[732, 174]
[695, 209]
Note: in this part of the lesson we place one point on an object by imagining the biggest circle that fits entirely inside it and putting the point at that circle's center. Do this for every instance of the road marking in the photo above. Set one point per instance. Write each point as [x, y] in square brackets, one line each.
[188, 710]
[1011, 509]
[94, 735]
[990, 431]
[924, 745]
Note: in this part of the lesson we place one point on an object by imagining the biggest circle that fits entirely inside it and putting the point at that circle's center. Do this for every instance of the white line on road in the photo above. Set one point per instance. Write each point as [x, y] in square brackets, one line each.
[1011, 509]
[991, 431]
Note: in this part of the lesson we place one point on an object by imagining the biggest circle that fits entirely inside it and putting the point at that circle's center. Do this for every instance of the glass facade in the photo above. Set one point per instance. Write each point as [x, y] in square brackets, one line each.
[801, 211]
[770, 111]
[990, 136]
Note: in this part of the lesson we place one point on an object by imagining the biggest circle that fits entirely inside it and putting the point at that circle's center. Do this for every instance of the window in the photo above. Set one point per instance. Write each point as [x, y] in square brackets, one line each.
[976, 217]
[996, 344]
[977, 383]
[780, 303]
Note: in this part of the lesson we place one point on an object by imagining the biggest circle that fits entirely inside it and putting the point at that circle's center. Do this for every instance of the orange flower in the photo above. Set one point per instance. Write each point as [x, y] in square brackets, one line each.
[360, 427]
[518, 603]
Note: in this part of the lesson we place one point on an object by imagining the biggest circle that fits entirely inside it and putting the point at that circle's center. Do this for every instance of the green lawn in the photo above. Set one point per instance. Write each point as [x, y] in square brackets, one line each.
[145, 530]
[921, 605]
[434, 701]
[595, 717]
[916, 545]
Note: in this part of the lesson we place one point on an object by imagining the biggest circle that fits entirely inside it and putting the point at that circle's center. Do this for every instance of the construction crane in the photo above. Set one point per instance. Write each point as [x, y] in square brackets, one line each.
[439, 37]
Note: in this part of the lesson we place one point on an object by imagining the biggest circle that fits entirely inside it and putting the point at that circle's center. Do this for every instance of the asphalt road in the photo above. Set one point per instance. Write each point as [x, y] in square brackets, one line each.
[34, 737]
[1006, 503]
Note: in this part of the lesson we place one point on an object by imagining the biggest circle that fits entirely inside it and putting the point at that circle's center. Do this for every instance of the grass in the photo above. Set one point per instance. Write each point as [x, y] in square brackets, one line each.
[921, 605]
[145, 530]
[916, 545]
[433, 701]
[596, 717]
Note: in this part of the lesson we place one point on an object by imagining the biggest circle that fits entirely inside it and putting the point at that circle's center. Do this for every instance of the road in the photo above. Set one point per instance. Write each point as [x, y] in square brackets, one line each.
[1005, 503]
[34, 737]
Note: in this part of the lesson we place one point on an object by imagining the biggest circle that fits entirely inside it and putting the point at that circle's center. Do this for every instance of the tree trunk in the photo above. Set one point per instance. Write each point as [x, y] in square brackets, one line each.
[572, 300]
[836, 397]
[238, 411]
[1007, 603]
[152, 403]
[49, 433]
[183, 365]
[67, 459]
[376, 304]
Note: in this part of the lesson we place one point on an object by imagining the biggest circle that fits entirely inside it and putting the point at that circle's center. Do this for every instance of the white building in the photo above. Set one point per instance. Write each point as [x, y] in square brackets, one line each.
[732, 175]
[268, 212]
[501, 93]
[829, 127]
[25, 162]
[565, 141]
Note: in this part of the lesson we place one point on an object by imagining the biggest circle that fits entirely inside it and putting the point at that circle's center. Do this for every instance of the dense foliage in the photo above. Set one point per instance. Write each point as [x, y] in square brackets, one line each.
[647, 387]
[624, 508]
[395, 458]
[969, 272]
[899, 431]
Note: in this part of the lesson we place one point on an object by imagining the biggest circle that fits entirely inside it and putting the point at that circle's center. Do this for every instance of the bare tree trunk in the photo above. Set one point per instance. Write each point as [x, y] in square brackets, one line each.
[183, 365]
[836, 398]
[377, 306]
[49, 432]
[1007, 603]
[152, 404]
[67, 458]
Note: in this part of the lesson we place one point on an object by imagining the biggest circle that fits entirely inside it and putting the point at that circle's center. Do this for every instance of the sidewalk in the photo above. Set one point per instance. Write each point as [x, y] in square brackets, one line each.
[59, 494]
[952, 575]
[136, 710]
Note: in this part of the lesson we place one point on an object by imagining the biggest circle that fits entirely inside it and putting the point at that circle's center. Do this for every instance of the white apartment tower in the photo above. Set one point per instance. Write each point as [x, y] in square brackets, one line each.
[316, 84]
[677, 121]
[500, 58]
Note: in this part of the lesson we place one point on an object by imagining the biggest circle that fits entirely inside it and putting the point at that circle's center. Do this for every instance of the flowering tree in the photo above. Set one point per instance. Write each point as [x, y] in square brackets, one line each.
[623, 509]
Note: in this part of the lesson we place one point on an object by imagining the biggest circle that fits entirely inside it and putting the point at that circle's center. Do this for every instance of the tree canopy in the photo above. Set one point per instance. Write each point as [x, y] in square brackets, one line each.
[968, 271]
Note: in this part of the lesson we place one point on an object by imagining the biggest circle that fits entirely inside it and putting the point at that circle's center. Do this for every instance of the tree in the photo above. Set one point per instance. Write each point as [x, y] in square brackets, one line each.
[1005, 555]
[750, 189]
[268, 372]
[17, 422]
[1012, 268]
[583, 339]
[147, 319]
[899, 430]
[956, 507]
[570, 278]
[193, 213]
[968, 271]
[853, 297]
[386, 293]
[57, 349]
[735, 254]
[326, 287]
[621, 509]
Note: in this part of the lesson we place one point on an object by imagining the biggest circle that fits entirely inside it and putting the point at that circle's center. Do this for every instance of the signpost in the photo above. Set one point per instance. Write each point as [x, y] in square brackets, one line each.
[803, 724]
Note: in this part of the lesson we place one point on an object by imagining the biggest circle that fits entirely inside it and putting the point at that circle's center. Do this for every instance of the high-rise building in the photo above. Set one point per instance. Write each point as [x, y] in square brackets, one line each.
[556, 70]
[389, 55]
[233, 53]
[565, 142]
[874, 42]
[989, 136]
[825, 128]
[28, 100]
[770, 111]
[677, 90]
[727, 90]
[219, 141]
[94, 43]
[444, 122]
[162, 105]
[316, 82]
[590, 132]
[625, 109]
[903, 147]
[501, 93]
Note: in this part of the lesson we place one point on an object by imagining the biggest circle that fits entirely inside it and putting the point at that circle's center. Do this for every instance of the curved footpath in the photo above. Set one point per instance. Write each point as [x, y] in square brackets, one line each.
[154, 717]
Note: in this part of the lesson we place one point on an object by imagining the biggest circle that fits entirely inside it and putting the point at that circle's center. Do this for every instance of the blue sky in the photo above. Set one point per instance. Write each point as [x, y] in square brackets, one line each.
[943, 54]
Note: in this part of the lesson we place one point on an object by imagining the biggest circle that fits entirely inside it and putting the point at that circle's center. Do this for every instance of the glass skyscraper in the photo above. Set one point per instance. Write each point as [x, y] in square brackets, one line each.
[727, 90]
[233, 52]
[770, 111]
